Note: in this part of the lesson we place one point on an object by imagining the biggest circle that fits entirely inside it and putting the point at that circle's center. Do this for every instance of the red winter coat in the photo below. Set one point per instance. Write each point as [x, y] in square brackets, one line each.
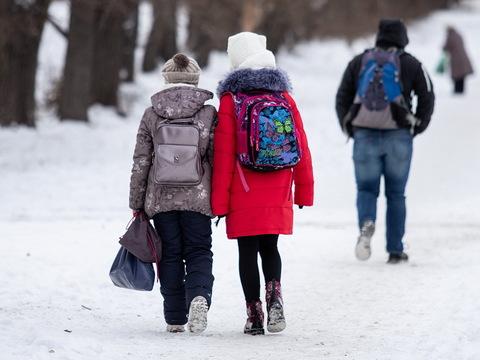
[267, 208]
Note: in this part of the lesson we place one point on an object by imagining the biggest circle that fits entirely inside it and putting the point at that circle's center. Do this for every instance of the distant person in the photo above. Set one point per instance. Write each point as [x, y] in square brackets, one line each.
[170, 182]
[261, 150]
[460, 65]
[374, 106]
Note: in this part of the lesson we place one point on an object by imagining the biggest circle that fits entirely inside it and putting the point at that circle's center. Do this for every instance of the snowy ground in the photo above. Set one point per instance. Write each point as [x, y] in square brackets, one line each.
[64, 202]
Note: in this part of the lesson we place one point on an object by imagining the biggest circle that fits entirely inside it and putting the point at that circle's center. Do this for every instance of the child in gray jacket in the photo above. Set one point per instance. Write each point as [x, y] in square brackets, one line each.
[170, 182]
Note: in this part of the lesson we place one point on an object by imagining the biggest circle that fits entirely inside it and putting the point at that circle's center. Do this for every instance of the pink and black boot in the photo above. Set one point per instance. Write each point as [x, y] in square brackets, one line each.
[276, 319]
[254, 325]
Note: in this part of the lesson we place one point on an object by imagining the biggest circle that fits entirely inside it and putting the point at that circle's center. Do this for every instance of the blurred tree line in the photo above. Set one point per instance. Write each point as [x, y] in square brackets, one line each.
[102, 37]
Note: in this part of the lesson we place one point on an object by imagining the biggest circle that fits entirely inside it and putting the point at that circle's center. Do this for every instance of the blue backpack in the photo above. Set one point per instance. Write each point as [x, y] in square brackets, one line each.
[379, 81]
[378, 87]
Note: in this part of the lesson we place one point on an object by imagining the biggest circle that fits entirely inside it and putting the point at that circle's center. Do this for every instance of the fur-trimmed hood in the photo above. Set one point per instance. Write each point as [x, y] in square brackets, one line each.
[254, 79]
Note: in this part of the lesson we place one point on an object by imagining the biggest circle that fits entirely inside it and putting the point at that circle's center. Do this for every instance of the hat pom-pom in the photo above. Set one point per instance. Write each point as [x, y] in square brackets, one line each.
[181, 60]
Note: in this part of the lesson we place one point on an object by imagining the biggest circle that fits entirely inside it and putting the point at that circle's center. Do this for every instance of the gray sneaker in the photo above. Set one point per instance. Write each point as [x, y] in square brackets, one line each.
[197, 316]
[175, 328]
[362, 249]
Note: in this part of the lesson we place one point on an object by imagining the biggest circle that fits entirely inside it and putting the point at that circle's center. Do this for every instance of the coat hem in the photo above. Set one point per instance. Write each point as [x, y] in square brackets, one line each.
[151, 214]
[236, 235]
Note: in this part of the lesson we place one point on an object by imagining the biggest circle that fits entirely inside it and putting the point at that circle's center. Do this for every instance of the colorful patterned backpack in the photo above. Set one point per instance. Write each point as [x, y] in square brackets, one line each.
[267, 138]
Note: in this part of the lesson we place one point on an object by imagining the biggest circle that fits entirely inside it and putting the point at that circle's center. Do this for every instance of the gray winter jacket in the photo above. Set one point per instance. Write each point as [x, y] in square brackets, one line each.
[180, 102]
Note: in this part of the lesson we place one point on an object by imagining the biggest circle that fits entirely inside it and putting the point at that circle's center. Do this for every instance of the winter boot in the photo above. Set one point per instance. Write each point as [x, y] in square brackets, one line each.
[397, 258]
[362, 249]
[197, 315]
[175, 328]
[254, 325]
[276, 319]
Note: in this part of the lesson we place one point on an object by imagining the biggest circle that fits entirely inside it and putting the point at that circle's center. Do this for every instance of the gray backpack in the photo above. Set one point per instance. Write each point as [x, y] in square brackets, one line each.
[177, 158]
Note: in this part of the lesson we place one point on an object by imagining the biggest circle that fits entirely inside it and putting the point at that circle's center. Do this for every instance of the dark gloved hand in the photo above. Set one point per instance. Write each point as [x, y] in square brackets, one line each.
[416, 131]
[219, 217]
[300, 206]
[347, 120]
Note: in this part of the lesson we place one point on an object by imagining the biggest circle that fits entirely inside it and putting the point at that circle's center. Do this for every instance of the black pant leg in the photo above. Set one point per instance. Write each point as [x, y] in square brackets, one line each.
[271, 260]
[197, 253]
[172, 269]
[248, 267]
[459, 85]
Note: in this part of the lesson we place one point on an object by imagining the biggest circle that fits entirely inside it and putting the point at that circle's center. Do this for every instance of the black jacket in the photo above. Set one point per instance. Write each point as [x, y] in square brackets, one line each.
[415, 81]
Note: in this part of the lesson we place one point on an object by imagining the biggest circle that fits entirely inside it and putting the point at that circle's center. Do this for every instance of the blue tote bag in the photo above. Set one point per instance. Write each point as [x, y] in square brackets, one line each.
[129, 272]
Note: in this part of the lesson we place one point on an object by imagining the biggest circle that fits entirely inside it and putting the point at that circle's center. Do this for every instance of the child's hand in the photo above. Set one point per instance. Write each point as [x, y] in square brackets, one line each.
[136, 213]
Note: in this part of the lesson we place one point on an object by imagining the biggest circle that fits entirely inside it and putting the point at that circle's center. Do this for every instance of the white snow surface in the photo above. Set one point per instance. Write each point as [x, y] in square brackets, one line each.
[64, 203]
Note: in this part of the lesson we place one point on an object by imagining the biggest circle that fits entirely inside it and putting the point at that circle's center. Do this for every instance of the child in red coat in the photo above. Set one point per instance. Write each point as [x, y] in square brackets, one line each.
[258, 205]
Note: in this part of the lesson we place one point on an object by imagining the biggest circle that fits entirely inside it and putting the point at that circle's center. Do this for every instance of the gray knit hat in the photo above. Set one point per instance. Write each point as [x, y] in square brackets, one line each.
[181, 69]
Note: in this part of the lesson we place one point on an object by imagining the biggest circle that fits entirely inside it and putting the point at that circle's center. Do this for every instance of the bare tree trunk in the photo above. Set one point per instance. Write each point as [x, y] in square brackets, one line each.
[211, 24]
[130, 32]
[277, 22]
[21, 26]
[77, 77]
[162, 41]
[199, 39]
[107, 60]
[251, 13]
[351, 19]
[168, 45]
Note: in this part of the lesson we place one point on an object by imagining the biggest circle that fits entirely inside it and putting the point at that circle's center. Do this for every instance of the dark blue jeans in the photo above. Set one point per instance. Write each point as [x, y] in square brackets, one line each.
[387, 153]
[186, 264]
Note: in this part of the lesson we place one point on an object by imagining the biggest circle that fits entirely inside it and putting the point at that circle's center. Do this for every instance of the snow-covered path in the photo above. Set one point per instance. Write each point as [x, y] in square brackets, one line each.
[336, 307]
[63, 204]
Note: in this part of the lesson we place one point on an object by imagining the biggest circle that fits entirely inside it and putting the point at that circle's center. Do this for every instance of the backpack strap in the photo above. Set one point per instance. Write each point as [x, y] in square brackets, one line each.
[242, 177]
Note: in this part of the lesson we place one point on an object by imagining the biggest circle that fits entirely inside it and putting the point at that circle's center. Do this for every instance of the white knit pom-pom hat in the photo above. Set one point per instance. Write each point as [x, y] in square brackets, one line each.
[249, 50]
[181, 69]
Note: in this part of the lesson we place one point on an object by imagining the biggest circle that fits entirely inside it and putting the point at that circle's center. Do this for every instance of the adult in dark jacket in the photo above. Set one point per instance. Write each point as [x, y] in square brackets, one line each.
[385, 148]
[460, 65]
